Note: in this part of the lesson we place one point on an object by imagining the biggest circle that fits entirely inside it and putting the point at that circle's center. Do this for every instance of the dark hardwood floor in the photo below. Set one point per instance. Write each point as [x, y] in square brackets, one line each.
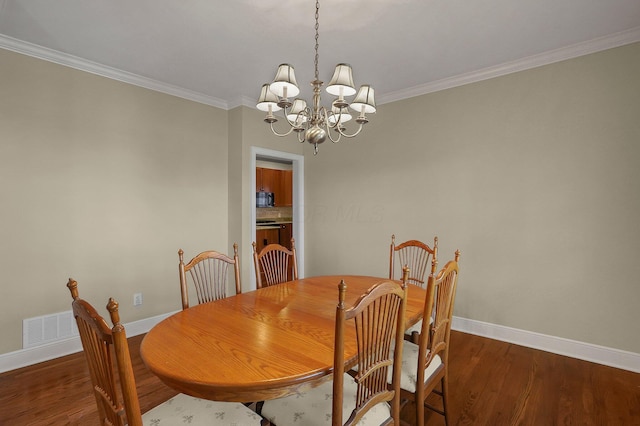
[492, 383]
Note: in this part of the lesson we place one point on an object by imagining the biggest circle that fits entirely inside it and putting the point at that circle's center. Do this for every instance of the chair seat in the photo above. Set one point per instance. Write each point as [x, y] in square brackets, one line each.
[185, 409]
[417, 327]
[409, 362]
[314, 407]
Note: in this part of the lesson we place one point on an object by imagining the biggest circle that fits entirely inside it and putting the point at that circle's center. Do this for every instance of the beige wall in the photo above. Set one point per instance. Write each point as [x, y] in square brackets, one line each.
[534, 176]
[248, 129]
[103, 182]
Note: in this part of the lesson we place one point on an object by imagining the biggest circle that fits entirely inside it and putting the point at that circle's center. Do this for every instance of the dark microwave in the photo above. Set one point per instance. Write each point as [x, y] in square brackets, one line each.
[265, 199]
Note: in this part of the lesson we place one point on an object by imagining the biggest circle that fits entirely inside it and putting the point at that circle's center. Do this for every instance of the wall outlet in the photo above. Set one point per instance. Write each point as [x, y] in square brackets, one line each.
[137, 299]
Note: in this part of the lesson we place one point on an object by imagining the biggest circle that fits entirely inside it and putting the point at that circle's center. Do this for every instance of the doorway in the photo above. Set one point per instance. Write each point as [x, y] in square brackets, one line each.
[288, 161]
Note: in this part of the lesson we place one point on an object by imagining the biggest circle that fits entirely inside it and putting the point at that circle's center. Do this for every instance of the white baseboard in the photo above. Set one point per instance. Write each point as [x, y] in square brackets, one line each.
[586, 351]
[558, 345]
[24, 357]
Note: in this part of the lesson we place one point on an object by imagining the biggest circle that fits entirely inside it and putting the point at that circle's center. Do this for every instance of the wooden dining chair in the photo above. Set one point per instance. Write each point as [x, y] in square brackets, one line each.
[275, 264]
[363, 398]
[110, 367]
[415, 255]
[208, 272]
[425, 365]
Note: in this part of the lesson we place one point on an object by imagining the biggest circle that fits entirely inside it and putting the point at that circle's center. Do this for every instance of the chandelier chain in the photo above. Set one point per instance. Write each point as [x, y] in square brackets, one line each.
[317, 27]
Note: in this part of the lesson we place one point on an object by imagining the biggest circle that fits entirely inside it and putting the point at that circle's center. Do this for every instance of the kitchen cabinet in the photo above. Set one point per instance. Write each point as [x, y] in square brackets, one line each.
[268, 180]
[285, 234]
[287, 188]
[280, 182]
[274, 234]
[266, 236]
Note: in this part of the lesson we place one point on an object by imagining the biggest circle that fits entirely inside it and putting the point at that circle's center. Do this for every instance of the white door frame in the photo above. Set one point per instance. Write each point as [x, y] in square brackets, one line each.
[298, 199]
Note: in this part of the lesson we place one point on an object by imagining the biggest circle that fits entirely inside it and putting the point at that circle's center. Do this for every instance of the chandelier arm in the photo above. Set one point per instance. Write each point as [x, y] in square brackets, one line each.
[332, 139]
[281, 134]
[293, 124]
[324, 122]
[323, 118]
[322, 113]
[329, 134]
[352, 135]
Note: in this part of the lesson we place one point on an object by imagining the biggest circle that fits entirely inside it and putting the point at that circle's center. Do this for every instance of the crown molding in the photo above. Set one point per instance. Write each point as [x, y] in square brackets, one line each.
[242, 101]
[603, 43]
[75, 62]
[557, 55]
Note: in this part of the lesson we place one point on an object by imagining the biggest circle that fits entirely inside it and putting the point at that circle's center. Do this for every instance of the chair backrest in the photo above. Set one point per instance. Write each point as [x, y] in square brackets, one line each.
[208, 271]
[414, 254]
[439, 302]
[101, 344]
[379, 323]
[275, 264]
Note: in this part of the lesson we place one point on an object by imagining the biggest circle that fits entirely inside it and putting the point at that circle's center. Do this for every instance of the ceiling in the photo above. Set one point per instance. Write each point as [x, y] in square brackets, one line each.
[221, 52]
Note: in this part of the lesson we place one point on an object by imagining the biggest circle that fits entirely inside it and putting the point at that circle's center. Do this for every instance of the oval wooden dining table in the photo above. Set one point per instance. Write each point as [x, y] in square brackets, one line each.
[259, 345]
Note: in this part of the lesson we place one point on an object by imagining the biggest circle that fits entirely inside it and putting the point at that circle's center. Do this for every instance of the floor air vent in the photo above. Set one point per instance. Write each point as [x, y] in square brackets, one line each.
[48, 328]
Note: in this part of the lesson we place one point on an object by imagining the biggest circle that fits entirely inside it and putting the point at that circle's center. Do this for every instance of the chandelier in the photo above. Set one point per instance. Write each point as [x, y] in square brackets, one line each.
[314, 123]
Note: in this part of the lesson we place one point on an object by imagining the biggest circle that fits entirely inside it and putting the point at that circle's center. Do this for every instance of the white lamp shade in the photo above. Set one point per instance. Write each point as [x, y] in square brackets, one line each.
[364, 98]
[266, 99]
[298, 106]
[285, 77]
[333, 118]
[342, 80]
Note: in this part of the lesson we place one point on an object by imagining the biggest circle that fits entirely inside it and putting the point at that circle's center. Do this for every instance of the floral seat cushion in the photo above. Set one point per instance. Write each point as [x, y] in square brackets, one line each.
[314, 407]
[186, 410]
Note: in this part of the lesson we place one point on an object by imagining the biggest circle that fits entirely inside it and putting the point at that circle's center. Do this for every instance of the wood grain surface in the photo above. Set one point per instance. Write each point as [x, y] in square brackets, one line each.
[258, 345]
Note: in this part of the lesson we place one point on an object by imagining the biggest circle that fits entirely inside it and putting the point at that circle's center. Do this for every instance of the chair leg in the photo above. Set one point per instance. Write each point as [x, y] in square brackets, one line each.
[442, 393]
[445, 394]
[419, 400]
